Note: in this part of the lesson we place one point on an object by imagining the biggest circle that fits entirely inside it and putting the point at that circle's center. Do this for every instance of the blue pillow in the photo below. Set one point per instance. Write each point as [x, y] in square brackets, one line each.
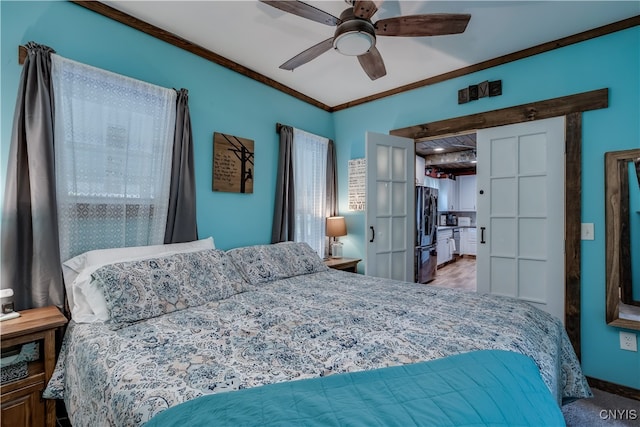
[137, 290]
[266, 263]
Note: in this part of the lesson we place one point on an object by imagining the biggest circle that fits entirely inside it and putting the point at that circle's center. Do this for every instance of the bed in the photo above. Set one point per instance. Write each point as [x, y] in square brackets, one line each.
[177, 327]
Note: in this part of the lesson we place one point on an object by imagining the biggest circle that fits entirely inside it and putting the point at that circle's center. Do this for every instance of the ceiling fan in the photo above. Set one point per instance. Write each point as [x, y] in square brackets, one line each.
[355, 34]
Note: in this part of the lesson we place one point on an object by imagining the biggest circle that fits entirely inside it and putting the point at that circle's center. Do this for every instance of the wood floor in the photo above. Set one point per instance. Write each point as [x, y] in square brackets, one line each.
[460, 274]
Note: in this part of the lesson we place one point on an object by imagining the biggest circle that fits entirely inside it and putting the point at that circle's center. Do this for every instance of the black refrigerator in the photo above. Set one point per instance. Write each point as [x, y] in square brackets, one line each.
[426, 256]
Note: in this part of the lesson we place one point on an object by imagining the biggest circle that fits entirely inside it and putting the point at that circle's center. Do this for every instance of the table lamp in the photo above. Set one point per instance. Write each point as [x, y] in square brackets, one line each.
[336, 226]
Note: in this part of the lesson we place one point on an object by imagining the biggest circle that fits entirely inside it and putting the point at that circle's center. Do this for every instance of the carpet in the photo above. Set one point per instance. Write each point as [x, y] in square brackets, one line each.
[604, 409]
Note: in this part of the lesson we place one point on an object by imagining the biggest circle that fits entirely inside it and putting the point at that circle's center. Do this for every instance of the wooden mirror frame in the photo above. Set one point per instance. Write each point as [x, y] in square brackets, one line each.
[618, 243]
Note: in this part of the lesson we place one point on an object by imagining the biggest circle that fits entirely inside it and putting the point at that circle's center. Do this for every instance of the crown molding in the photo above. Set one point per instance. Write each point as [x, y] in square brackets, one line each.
[177, 41]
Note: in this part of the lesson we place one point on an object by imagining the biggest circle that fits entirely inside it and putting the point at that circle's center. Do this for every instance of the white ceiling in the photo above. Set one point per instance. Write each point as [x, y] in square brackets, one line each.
[261, 37]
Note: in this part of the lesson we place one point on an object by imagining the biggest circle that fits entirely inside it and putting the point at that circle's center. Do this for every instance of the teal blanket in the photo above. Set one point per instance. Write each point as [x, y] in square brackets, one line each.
[481, 388]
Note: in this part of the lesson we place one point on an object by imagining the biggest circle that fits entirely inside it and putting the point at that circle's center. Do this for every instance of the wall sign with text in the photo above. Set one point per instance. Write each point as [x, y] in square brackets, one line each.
[233, 162]
[481, 90]
[357, 184]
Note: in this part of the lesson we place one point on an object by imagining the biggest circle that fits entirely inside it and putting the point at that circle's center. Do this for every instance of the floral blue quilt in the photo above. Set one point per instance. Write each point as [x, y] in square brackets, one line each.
[305, 322]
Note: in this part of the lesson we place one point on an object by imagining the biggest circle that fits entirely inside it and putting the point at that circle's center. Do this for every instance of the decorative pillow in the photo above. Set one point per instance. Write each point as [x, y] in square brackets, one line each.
[266, 263]
[142, 289]
[86, 302]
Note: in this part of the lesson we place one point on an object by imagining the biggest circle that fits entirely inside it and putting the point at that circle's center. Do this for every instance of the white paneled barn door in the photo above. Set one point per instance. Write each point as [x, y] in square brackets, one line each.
[521, 212]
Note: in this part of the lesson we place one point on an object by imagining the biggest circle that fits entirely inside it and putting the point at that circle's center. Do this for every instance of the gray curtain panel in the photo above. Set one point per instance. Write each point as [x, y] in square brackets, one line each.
[284, 211]
[181, 218]
[332, 189]
[30, 251]
[332, 181]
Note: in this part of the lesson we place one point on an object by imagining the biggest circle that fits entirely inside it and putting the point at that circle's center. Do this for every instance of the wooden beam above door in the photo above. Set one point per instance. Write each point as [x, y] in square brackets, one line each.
[555, 107]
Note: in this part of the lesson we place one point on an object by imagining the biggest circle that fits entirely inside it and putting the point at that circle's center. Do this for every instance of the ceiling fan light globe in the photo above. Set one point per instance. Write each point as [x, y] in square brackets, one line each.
[353, 43]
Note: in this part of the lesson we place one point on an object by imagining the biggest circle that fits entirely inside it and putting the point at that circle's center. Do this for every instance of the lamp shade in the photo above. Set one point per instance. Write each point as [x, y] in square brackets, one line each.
[336, 226]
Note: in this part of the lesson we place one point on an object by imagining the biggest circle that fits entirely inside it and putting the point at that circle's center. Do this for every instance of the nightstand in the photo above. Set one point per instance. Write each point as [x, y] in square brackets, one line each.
[21, 401]
[345, 264]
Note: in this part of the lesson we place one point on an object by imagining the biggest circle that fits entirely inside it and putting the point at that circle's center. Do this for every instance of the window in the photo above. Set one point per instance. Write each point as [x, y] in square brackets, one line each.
[113, 141]
[310, 177]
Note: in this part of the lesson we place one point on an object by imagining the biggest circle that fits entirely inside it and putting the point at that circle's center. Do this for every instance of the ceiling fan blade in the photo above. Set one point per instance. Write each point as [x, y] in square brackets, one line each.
[372, 64]
[304, 10]
[436, 24]
[309, 54]
[364, 9]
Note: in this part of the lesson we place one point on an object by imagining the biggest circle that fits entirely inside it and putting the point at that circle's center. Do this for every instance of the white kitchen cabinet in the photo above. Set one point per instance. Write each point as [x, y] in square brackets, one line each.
[447, 195]
[444, 247]
[453, 195]
[468, 241]
[463, 241]
[467, 192]
[443, 194]
[472, 241]
[421, 178]
[420, 170]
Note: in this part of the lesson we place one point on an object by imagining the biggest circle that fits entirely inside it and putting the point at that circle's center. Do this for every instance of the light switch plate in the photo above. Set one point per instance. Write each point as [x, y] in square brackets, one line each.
[586, 231]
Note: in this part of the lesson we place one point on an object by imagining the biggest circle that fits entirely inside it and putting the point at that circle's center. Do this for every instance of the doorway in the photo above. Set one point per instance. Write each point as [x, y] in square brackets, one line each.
[449, 163]
[516, 211]
[571, 106]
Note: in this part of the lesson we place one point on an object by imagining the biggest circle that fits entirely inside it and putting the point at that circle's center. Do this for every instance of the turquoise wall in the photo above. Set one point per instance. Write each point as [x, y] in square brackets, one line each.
[220, 100]
[223, 101]
[611, 61]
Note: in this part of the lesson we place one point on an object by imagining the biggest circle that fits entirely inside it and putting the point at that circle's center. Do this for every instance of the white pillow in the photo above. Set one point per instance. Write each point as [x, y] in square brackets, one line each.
[86, 302]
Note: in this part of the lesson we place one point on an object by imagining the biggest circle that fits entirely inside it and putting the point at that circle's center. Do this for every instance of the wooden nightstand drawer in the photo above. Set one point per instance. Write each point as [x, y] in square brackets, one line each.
[21, 402]
[345, 264]
[23, 406]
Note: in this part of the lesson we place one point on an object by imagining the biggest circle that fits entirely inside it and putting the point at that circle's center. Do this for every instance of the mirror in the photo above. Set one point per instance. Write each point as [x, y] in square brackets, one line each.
[630, 294]
[622, 214]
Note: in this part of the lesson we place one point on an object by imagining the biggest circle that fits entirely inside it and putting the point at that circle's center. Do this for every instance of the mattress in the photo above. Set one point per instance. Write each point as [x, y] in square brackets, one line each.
[285, 329]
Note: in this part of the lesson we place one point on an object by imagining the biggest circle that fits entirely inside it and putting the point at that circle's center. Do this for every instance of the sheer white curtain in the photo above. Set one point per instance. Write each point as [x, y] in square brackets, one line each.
[310, 177]
[113, 151]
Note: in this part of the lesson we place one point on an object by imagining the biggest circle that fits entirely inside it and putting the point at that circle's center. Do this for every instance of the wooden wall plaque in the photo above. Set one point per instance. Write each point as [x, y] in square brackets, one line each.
[233, 164]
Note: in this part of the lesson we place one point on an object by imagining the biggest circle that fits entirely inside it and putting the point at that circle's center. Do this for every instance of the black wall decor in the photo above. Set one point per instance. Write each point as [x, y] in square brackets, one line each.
[481, 90]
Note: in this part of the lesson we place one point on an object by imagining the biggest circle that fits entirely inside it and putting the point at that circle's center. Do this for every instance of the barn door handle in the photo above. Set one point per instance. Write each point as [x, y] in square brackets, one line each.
[373, 233]
[482, 235]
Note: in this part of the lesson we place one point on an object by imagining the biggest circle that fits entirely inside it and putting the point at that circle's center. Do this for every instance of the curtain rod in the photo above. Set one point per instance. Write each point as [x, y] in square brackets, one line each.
[279, 127]
[22, 57]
